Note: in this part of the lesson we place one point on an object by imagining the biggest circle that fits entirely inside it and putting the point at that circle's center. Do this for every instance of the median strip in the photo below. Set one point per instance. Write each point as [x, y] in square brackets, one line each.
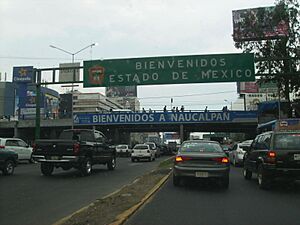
[116, 207]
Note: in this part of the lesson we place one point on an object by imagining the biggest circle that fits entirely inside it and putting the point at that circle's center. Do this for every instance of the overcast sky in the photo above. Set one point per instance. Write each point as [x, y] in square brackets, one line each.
[123, 29]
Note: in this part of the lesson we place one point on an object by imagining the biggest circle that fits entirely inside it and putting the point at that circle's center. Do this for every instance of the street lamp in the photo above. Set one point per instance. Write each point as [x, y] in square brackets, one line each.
[73, 53]
[73, 58]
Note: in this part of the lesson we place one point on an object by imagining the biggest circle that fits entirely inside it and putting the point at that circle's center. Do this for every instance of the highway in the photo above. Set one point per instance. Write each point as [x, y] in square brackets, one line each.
[28, 198]
[205, 204]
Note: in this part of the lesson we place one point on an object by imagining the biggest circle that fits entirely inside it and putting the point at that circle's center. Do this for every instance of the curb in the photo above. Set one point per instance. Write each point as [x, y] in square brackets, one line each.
[121, 218]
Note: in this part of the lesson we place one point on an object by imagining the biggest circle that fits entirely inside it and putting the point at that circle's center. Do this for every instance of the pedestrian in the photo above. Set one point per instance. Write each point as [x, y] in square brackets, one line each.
[143, 110]
[177, 110]
[205, 110]
[150, 110]
[173, 109]
[165, 108]
[182, 108]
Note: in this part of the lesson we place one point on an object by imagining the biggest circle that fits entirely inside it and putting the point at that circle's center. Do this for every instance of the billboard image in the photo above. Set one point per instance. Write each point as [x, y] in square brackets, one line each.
[247, 87]
[121, 91]
[259, 23]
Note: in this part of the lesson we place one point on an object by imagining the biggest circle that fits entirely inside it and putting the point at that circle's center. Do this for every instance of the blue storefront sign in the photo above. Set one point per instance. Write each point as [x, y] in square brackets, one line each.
[167, 118]
[23, 74]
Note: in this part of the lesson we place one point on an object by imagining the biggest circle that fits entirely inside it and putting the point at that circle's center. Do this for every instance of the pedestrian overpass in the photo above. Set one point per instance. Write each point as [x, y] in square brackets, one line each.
[116, 124]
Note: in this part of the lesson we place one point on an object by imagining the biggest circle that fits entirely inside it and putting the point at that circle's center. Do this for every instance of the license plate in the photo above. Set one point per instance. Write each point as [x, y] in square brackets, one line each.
[296, 156]
[55, 157]
[201, 174]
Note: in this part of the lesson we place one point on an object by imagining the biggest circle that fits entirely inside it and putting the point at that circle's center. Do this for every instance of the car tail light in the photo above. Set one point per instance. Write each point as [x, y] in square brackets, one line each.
[76, 148]
[271, 157]
[222, 160]
[181, 158]
[271, 154]
[33, 147]
[2, 146]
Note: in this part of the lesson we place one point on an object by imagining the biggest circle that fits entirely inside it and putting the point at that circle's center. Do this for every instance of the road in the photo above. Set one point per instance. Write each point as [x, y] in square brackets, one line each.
[204, 204]
[27, 197]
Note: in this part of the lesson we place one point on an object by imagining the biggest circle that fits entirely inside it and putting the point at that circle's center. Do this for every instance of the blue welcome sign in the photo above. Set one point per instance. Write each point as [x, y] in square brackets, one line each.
[164, 117]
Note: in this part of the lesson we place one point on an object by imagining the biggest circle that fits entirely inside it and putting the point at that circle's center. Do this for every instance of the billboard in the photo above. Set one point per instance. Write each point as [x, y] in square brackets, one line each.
[268, 87]
[259, 23]
[169, 70]
[66, 75]
[23, 74]
[247, 87]
[252, 100]
[121, 91]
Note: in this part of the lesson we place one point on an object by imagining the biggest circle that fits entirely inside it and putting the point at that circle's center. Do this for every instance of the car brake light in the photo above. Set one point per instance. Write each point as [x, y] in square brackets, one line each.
[271, 154]
[2, 146]
[76, 148]
[33, 147]
[271, 157]
[181, 158]
[222, 160]
[178, 159]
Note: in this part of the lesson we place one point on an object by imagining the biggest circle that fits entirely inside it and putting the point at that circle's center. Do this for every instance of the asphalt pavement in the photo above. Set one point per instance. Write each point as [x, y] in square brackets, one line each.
[30, 198]
[204, 203]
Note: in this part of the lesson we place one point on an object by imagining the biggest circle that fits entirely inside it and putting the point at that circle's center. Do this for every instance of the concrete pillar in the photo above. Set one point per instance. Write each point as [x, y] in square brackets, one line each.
[181, 133]
[16, 130]
[116, 138]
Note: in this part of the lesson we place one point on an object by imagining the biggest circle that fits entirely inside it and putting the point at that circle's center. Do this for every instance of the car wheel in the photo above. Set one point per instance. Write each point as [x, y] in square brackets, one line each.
[9, 167]
[234, 162]
[111, 165]
[86, 167]
[247, 174]
[47, 169]
[31, 159]
[262, 180]
[225, 182]
[176, 180]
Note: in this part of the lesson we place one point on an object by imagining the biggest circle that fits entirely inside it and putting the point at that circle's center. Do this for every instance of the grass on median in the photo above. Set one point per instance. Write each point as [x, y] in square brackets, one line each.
[166, 163]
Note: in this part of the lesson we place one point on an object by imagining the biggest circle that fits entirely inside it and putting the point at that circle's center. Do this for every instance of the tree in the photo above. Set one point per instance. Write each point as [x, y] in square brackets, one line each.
[278, 59]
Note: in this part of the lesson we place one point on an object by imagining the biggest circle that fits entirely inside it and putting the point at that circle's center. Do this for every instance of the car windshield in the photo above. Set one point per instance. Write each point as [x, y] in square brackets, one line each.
[122, 146]
[200, 147]
[287, 141]
[141, 147]
[152, 146]
[78, 135]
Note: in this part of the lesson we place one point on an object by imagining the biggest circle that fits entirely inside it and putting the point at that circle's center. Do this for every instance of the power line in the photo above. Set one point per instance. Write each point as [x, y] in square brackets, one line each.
[179, 96]
[34, 58]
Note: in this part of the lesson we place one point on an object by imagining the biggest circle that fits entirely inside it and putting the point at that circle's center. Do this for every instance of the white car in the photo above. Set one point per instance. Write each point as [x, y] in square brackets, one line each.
[142, 151]
[236, 154]
[154, 147]
[123, 150]
[18, 146]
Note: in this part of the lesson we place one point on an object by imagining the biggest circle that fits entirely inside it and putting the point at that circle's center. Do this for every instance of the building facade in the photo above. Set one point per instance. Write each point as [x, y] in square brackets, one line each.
[94, 103]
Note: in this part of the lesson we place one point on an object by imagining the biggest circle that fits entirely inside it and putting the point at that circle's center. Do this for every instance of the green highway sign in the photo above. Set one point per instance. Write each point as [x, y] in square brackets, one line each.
[169, 70]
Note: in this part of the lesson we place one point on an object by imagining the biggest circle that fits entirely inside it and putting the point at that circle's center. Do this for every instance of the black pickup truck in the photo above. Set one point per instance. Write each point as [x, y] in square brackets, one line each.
[75, 148]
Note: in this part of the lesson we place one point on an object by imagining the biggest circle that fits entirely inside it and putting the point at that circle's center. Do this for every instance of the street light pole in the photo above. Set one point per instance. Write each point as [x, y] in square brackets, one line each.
[73, 59]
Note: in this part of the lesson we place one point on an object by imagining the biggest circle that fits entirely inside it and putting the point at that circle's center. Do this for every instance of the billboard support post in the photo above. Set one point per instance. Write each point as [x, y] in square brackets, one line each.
[38, 105]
